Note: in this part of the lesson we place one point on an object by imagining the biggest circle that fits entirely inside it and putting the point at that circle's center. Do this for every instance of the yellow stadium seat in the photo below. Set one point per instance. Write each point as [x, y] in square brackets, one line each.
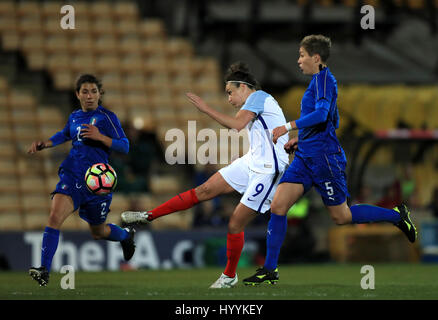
[7, 149]
[136, 99]
[9, 201]
[57, 43]
[82, 44]
[9, 184]
[28, 8]
[30, 25]
[152, 29]
[131, 63]
[8, 24]
[155, 65]
[36, 219]
[7, 8]
[125, 10]
[32, 42]
[51, 26]
[51, 9]
[102, 26]
[106, 45]
[107, 62]
[101, 9]
[63, 79]
[11, 220]
[161, 184]
[126, 27]
[133, 82]
[113, 99]
[59, 62]
[111, 80]
[11, 40]
[36, 60]
[83, 63]
[35, 202]
[130, 45]
[177, 47]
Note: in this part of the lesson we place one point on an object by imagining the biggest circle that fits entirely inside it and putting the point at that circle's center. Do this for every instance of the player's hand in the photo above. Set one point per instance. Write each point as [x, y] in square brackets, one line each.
[36, 146]
[90, 132]
[197, 102]
[278, 132]
[291, 146]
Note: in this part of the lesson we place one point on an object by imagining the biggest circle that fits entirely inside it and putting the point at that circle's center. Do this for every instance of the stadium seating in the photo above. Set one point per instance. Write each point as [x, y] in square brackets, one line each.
[143, 71]
[145, 74]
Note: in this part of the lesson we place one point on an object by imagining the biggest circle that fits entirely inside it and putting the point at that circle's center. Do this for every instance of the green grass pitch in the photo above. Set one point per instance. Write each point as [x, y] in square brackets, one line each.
[297, 282]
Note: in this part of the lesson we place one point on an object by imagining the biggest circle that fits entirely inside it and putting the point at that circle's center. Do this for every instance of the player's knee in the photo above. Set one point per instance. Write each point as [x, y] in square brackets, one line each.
[278, 209]
[203, 192]
[55, 221]
[340, 219]
[234, 227]
[97, 236]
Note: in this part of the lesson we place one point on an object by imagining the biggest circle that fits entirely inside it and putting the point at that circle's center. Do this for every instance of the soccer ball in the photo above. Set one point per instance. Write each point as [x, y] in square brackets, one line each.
[101, 179]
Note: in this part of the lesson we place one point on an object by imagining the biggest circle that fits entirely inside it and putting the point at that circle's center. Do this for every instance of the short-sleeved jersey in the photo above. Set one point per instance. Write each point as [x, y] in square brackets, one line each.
[320, 138]
[264, 156]
[85, 152]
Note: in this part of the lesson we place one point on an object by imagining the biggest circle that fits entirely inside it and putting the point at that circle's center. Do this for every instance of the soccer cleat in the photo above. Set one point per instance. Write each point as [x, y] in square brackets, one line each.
[40, 275]
[135, 217]
[128, 245]
[405, 224]
[262, 275]
[224, 281]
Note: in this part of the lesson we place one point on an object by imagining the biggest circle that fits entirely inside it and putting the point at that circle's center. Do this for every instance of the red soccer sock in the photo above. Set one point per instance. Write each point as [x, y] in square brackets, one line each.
[234, 249]
[180, 202]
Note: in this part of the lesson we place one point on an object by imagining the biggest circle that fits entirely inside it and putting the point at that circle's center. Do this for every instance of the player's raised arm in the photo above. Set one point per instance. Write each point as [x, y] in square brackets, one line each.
[58, 138]
[238, 122]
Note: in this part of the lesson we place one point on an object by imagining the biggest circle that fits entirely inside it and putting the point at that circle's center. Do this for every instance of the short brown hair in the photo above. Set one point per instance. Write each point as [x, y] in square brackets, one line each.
[317, 44]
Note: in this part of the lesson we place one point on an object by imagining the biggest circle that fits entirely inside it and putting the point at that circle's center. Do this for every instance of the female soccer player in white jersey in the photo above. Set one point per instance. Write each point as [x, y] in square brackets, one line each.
[255, 175]
[319, 161]
[94, 132]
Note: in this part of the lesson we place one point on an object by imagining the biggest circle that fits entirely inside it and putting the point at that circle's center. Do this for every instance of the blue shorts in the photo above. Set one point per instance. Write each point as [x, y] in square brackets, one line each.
[92, 208]
[326, 172]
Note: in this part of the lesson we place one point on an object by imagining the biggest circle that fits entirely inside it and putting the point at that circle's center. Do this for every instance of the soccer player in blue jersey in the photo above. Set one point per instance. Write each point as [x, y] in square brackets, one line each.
[94, 132]
[319, 161]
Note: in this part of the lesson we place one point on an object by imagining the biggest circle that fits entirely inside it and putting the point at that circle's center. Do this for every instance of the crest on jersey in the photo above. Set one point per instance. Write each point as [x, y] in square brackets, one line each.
[93, 121]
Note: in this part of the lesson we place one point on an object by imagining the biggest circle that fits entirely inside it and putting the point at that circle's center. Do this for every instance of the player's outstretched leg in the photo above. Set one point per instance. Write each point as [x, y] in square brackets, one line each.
[180, 202]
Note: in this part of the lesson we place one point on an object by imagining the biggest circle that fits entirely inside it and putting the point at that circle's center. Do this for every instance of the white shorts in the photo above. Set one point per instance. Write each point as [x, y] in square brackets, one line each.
[257, 188]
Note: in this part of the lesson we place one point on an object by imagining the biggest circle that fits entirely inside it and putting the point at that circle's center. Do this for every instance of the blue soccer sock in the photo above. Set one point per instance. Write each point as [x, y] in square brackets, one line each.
[49, 246]
[277, 227]
[117, 233]
[365, 213]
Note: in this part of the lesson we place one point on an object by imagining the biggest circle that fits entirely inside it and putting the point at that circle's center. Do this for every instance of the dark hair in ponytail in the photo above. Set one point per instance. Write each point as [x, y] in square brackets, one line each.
[239, 72]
